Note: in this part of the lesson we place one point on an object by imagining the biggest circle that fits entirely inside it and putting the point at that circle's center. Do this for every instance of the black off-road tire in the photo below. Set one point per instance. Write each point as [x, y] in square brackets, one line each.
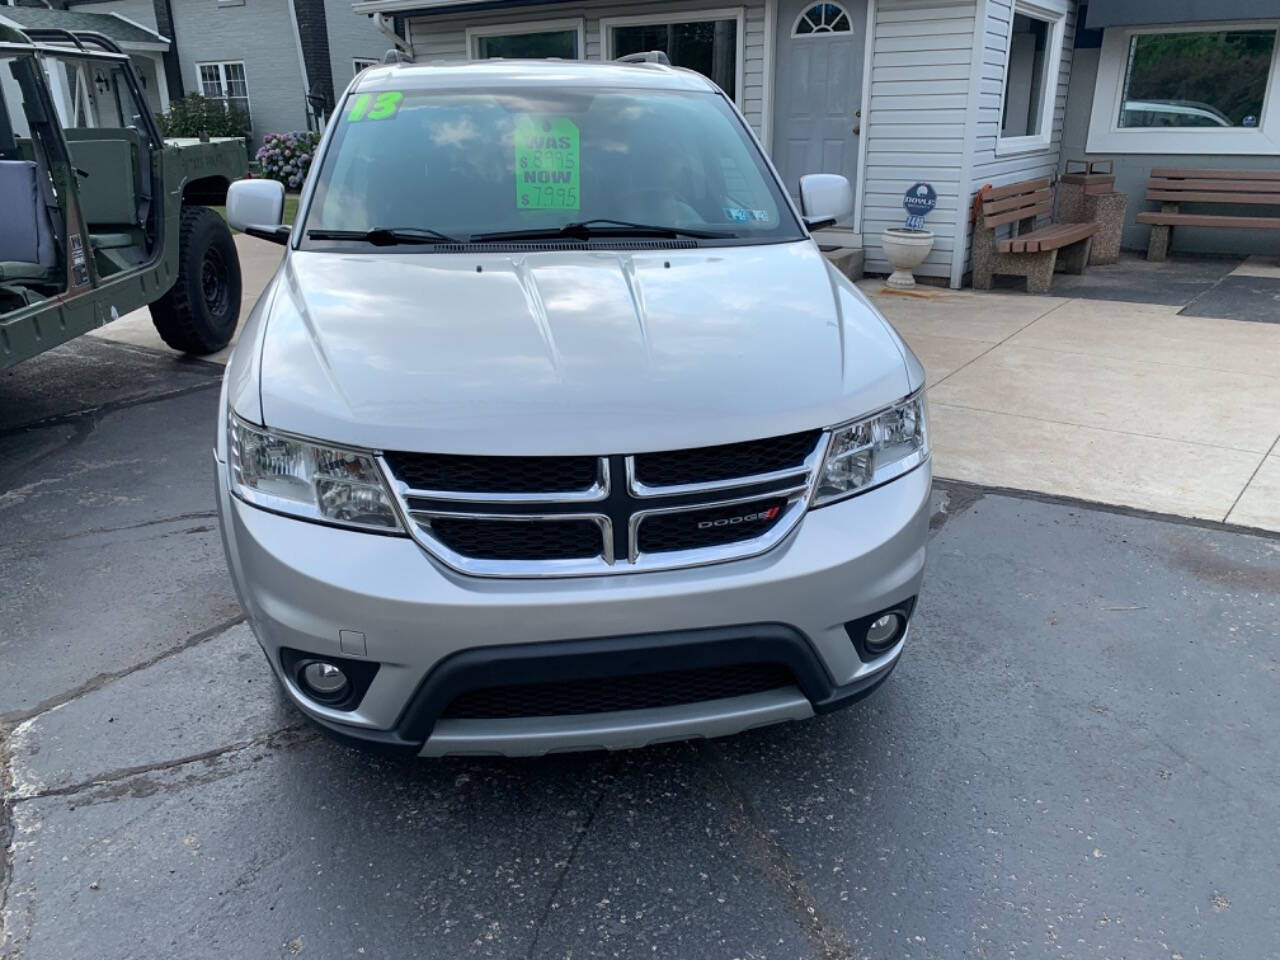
[200, 311]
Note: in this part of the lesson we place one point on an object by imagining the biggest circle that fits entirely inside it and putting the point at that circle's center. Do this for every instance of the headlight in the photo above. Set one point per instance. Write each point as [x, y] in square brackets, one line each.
[870, 452]
[307, 480]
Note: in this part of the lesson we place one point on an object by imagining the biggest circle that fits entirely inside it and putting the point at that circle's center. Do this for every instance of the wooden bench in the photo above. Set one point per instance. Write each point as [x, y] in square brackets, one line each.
[1176, 187]
[1032, 252]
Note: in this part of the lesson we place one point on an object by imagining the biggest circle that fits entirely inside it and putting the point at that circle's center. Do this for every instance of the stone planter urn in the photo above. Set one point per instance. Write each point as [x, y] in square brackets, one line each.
[905, 248]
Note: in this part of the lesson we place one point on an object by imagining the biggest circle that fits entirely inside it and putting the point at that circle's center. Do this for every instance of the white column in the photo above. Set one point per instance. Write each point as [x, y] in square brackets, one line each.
[163, 81]
[62, 97]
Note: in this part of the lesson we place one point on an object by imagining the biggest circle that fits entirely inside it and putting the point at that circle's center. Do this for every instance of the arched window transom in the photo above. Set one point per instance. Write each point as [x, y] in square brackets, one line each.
[822, 18]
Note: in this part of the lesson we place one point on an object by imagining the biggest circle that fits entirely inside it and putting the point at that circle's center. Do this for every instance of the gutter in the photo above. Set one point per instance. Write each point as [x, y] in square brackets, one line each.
[379, 6]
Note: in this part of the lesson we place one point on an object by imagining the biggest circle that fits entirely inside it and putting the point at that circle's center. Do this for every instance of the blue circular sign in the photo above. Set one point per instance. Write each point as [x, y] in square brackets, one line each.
[920, 199]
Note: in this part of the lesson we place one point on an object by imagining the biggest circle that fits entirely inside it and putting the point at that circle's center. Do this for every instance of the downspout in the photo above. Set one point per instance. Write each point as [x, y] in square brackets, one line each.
[302, 60]
[387, 28]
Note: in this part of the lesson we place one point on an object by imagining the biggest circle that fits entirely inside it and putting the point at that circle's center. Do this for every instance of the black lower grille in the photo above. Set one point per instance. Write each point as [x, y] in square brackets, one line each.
[604, 695]
[449, 472]
[694, 529]
[726, 461]
[519, 539]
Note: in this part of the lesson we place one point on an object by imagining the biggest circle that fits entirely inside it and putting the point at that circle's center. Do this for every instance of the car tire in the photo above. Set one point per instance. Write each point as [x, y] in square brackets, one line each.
[200, 311]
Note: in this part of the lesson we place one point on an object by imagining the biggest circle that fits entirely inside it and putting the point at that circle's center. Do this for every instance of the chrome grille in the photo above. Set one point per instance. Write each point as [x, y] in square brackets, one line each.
[579, 516]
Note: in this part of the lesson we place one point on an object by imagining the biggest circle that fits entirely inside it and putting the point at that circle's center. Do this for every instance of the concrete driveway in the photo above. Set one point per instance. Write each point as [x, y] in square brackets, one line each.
[1077, 757]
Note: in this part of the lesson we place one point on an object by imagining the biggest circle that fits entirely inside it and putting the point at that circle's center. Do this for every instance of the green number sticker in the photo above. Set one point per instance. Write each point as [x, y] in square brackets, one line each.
[384, 106]
[547, 155]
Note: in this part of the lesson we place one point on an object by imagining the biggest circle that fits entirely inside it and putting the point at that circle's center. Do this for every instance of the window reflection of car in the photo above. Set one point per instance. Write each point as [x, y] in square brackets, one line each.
[1172, 113]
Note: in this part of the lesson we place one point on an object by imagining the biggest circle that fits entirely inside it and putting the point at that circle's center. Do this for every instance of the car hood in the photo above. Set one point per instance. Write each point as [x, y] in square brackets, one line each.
[569, 352]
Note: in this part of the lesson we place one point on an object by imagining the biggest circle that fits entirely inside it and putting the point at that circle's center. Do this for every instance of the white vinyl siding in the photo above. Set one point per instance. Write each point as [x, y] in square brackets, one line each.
[444, 37]
[915, 127]
[987, 166]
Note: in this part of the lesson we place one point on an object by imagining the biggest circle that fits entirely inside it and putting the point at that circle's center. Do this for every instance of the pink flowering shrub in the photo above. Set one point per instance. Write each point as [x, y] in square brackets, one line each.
[287, 156]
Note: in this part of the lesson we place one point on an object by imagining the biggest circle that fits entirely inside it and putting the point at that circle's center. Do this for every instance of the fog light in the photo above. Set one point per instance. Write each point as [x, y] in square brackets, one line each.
[324, 680]
[884, 632]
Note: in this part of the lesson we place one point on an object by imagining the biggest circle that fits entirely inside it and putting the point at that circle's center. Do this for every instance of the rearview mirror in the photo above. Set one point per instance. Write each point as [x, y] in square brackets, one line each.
[256, 207]
[824, 199]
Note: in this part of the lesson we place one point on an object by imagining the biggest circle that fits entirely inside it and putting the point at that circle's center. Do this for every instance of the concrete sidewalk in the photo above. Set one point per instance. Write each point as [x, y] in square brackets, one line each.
[1115, 402]
[1121, 403]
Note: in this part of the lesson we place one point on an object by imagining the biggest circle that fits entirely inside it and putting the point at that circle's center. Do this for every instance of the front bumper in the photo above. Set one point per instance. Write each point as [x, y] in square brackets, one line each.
[301, 584]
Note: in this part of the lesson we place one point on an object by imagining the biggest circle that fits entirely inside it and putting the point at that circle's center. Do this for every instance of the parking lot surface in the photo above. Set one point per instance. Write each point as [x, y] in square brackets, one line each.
[1078, 756]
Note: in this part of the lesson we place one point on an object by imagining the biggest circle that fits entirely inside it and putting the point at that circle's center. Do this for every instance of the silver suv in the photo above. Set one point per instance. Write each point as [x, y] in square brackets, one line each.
[556, 431]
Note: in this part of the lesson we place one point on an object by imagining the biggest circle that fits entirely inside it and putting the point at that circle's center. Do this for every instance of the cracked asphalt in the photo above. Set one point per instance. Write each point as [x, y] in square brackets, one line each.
[1078, 757]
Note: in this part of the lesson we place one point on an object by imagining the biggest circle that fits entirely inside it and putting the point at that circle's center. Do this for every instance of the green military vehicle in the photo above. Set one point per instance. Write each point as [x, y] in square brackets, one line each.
[99, 214]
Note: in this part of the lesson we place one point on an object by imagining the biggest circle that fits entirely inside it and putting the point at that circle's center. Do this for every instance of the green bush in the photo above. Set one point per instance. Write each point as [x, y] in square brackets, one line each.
[194, 115]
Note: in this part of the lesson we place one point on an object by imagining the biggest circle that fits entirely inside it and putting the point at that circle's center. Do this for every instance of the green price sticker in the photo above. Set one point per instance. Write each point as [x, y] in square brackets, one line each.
[370, 107]
[547, 155]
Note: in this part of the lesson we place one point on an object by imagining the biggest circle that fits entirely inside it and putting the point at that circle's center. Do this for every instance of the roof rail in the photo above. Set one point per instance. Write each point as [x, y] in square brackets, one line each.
[77, 37]
[647, 56]
[396, 56]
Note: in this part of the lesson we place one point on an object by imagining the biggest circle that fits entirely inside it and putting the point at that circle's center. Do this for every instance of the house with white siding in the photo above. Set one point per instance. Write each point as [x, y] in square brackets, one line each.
[886, 92]
[957, 93]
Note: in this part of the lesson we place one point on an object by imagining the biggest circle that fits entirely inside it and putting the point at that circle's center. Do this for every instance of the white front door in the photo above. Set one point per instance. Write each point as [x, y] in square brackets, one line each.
[818, 88]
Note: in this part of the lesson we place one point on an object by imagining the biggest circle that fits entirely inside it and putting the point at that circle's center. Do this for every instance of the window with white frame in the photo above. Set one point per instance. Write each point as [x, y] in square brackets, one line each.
[1202, 89]
[361, 64]
[1030, 78]
[822, 18]
[539, 40]
[227, 84]
[709, 42]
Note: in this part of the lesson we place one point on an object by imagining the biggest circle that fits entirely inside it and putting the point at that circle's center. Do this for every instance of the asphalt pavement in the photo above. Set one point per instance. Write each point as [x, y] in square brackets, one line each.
[1079, 755]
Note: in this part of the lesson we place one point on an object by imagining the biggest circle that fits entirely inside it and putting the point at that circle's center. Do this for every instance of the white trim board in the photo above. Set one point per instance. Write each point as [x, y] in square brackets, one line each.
[520, 27]
[960, 252]
[766, 78]
[687, 16]
[864, 132]
[1107, 136]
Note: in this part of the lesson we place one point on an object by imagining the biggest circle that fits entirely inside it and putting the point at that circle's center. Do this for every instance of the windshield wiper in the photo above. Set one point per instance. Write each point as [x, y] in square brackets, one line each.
[385, 236]
[599, 227]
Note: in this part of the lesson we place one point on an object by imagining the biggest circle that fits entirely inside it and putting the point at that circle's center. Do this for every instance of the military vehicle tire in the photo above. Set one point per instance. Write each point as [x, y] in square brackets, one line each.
[200, 311]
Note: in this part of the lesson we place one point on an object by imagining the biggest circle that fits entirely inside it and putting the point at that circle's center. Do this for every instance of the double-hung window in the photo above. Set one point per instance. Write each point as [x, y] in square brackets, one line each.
[1202, 89]
[1030, 86]
[226, 83]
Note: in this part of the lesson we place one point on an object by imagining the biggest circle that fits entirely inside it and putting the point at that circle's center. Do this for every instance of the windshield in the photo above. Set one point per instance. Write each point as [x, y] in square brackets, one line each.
[466, 164]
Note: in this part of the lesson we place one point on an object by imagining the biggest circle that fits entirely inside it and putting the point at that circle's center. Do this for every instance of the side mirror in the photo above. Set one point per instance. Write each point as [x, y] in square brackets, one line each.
[824, 199]
[256, 207]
